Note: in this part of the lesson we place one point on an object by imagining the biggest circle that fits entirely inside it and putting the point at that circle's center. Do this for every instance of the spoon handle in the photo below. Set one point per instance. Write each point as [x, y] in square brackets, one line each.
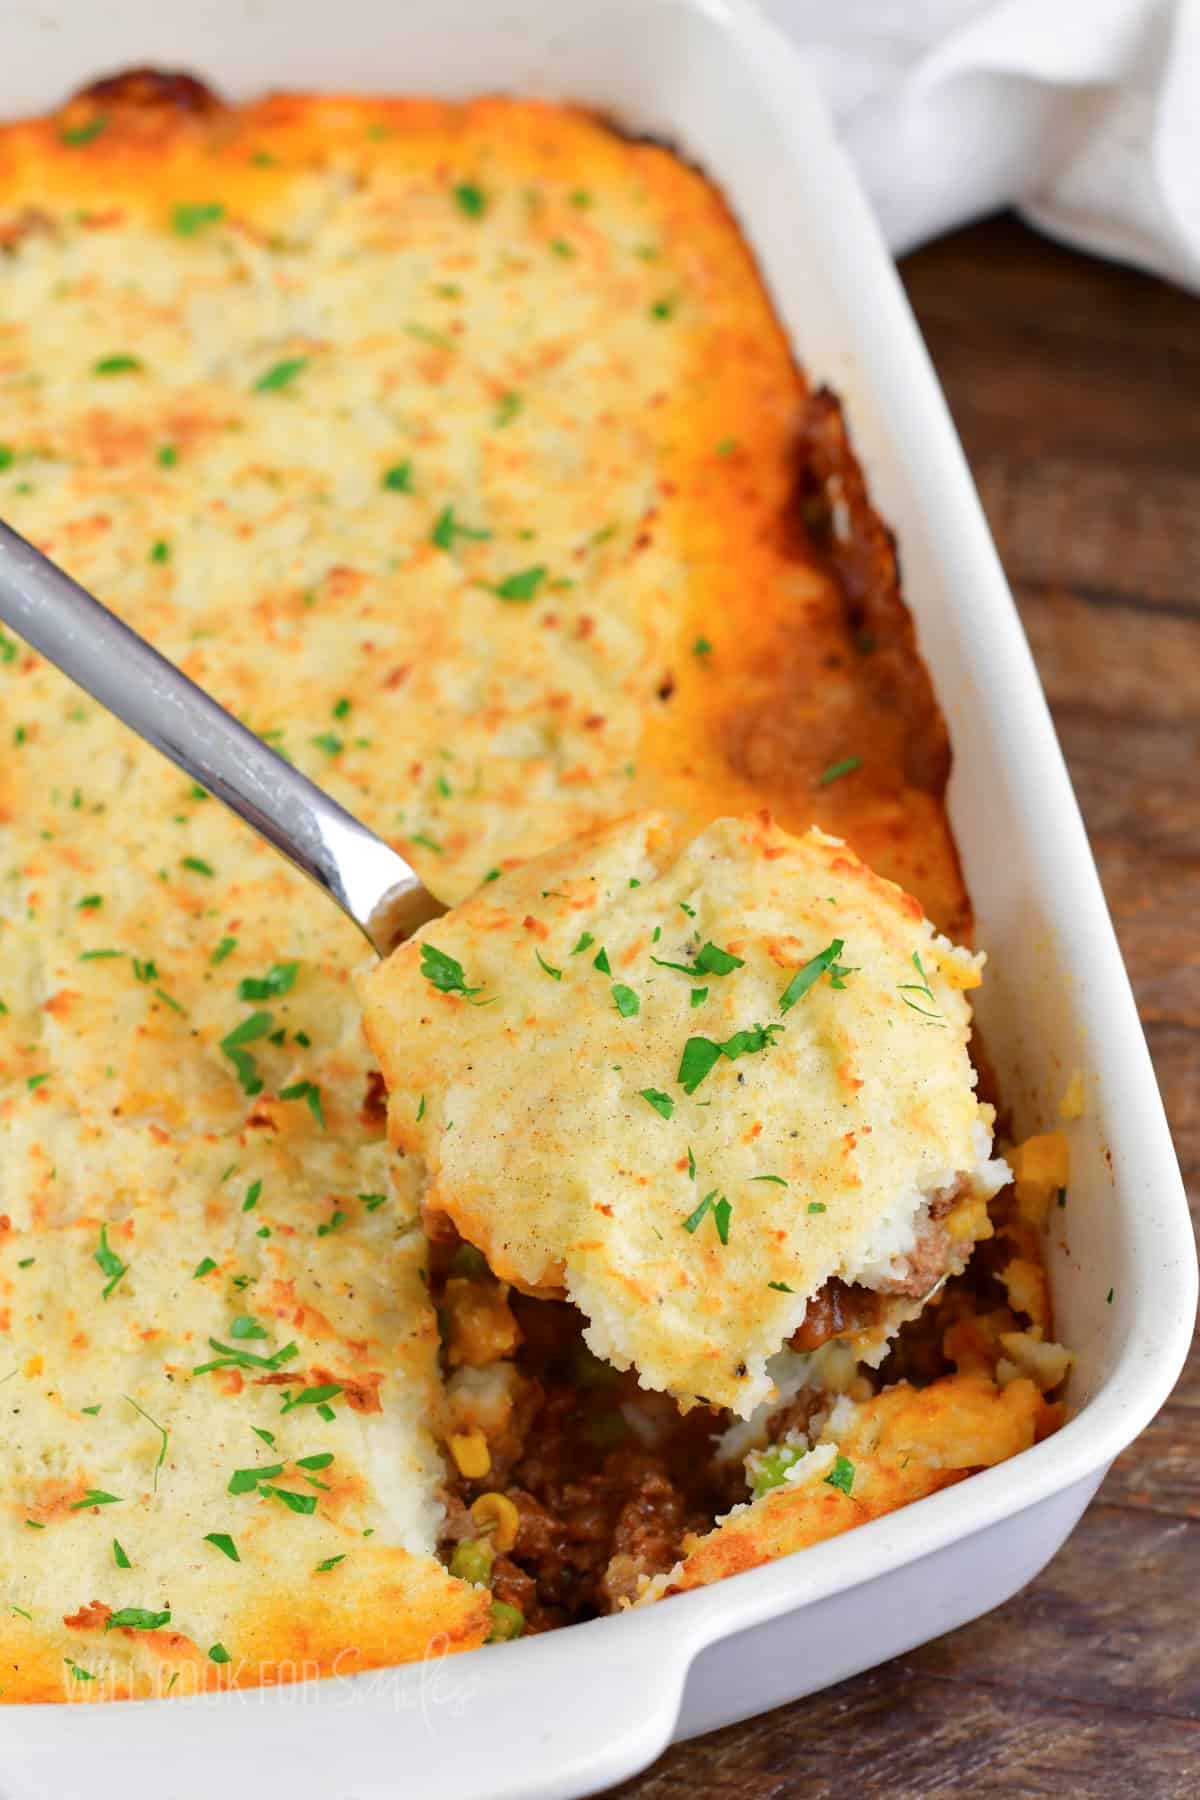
[376, 887]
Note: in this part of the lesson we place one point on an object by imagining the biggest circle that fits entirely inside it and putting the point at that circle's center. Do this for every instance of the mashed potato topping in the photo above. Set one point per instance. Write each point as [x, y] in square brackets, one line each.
[686, 1086]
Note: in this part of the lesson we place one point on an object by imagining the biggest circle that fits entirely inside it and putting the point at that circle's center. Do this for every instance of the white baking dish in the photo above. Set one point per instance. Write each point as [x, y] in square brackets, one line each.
[571, 1713]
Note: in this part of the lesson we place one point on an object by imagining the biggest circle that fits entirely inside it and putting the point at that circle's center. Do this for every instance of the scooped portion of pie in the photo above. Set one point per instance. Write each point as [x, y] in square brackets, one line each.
[717, 1093]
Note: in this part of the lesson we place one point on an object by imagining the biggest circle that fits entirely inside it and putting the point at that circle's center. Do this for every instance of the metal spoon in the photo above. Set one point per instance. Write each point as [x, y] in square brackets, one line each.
[372, 884]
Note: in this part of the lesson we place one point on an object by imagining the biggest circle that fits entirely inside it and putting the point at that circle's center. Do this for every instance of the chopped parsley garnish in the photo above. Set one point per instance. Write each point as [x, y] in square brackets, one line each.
[160, 551]
[549, 969]
[701, 1054]
[776, 1179]
[817, 1206]
[721, 1211]
[329, 742]
[373, 1202]
[245, 1326]
[398, 478]
[230, 1357]
[96, 1497]
[117, 365]
[187, 220]
[76, 136]
[162, 1434]
[33, 1082]
[219, 1654]
[252, 1196]
[507, 408]
[258, 1025]
[586, 941]
[8, 650]
[331, 1562]
[166, 456]
[625, 1000]
[664, 308]
[119, 1556]
[312, 1396]
[205, 1266]
[145, 971]
[471, 199]
[310, 1093]
[280, 979]
[1108, 1298]
[922, 987]
[444, 972]
[750, 1041]
[711, 960]
[281, 374]
[781, 1287]
[331, 1224]
[691, 1164]
[197, 865]
[222, 1541]
[90, 903]
[836, 770]
[109, 1263]
[600, 961]
[297, 1503]
[662, 1103]
[701, 647]
[446, 528]
[244, 1481]
[521, 586]
[841, 1475]
[225, 948]
[811, 973]
[699, 996]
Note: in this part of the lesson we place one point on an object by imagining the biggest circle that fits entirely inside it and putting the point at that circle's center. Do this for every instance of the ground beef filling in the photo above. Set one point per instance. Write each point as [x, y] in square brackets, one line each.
[839, 1309]
[606, 1478]
[600, 1479]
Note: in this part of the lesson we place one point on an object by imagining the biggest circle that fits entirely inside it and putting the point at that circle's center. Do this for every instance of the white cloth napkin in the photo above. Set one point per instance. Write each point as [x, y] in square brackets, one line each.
[1084, 114]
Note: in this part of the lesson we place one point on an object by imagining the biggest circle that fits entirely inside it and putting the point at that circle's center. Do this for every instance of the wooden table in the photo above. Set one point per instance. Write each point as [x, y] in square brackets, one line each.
[1076, 388]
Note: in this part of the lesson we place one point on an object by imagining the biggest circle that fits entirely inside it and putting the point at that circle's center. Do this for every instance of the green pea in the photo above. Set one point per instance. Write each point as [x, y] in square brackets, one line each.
[590, 1372]
[607, 1431]
[769, 1469]
[507, 1622]
[470, 1262]
[472, 1561]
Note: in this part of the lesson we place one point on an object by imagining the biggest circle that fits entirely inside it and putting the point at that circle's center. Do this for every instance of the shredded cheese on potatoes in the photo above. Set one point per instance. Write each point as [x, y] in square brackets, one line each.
[684, 1086]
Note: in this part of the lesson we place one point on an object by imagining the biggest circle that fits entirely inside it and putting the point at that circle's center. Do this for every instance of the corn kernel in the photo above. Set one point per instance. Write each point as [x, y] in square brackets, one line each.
[958, 973]
[1044, 1161]
[968, 1222]
[496, 1515]
[470, 1451]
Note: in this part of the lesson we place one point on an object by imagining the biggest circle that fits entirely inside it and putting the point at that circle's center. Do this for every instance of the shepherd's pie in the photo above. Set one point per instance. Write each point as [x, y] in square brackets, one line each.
[458, 450]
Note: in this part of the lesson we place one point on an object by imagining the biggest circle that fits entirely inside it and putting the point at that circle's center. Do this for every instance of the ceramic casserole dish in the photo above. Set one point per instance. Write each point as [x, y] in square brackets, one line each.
[563, 1715]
